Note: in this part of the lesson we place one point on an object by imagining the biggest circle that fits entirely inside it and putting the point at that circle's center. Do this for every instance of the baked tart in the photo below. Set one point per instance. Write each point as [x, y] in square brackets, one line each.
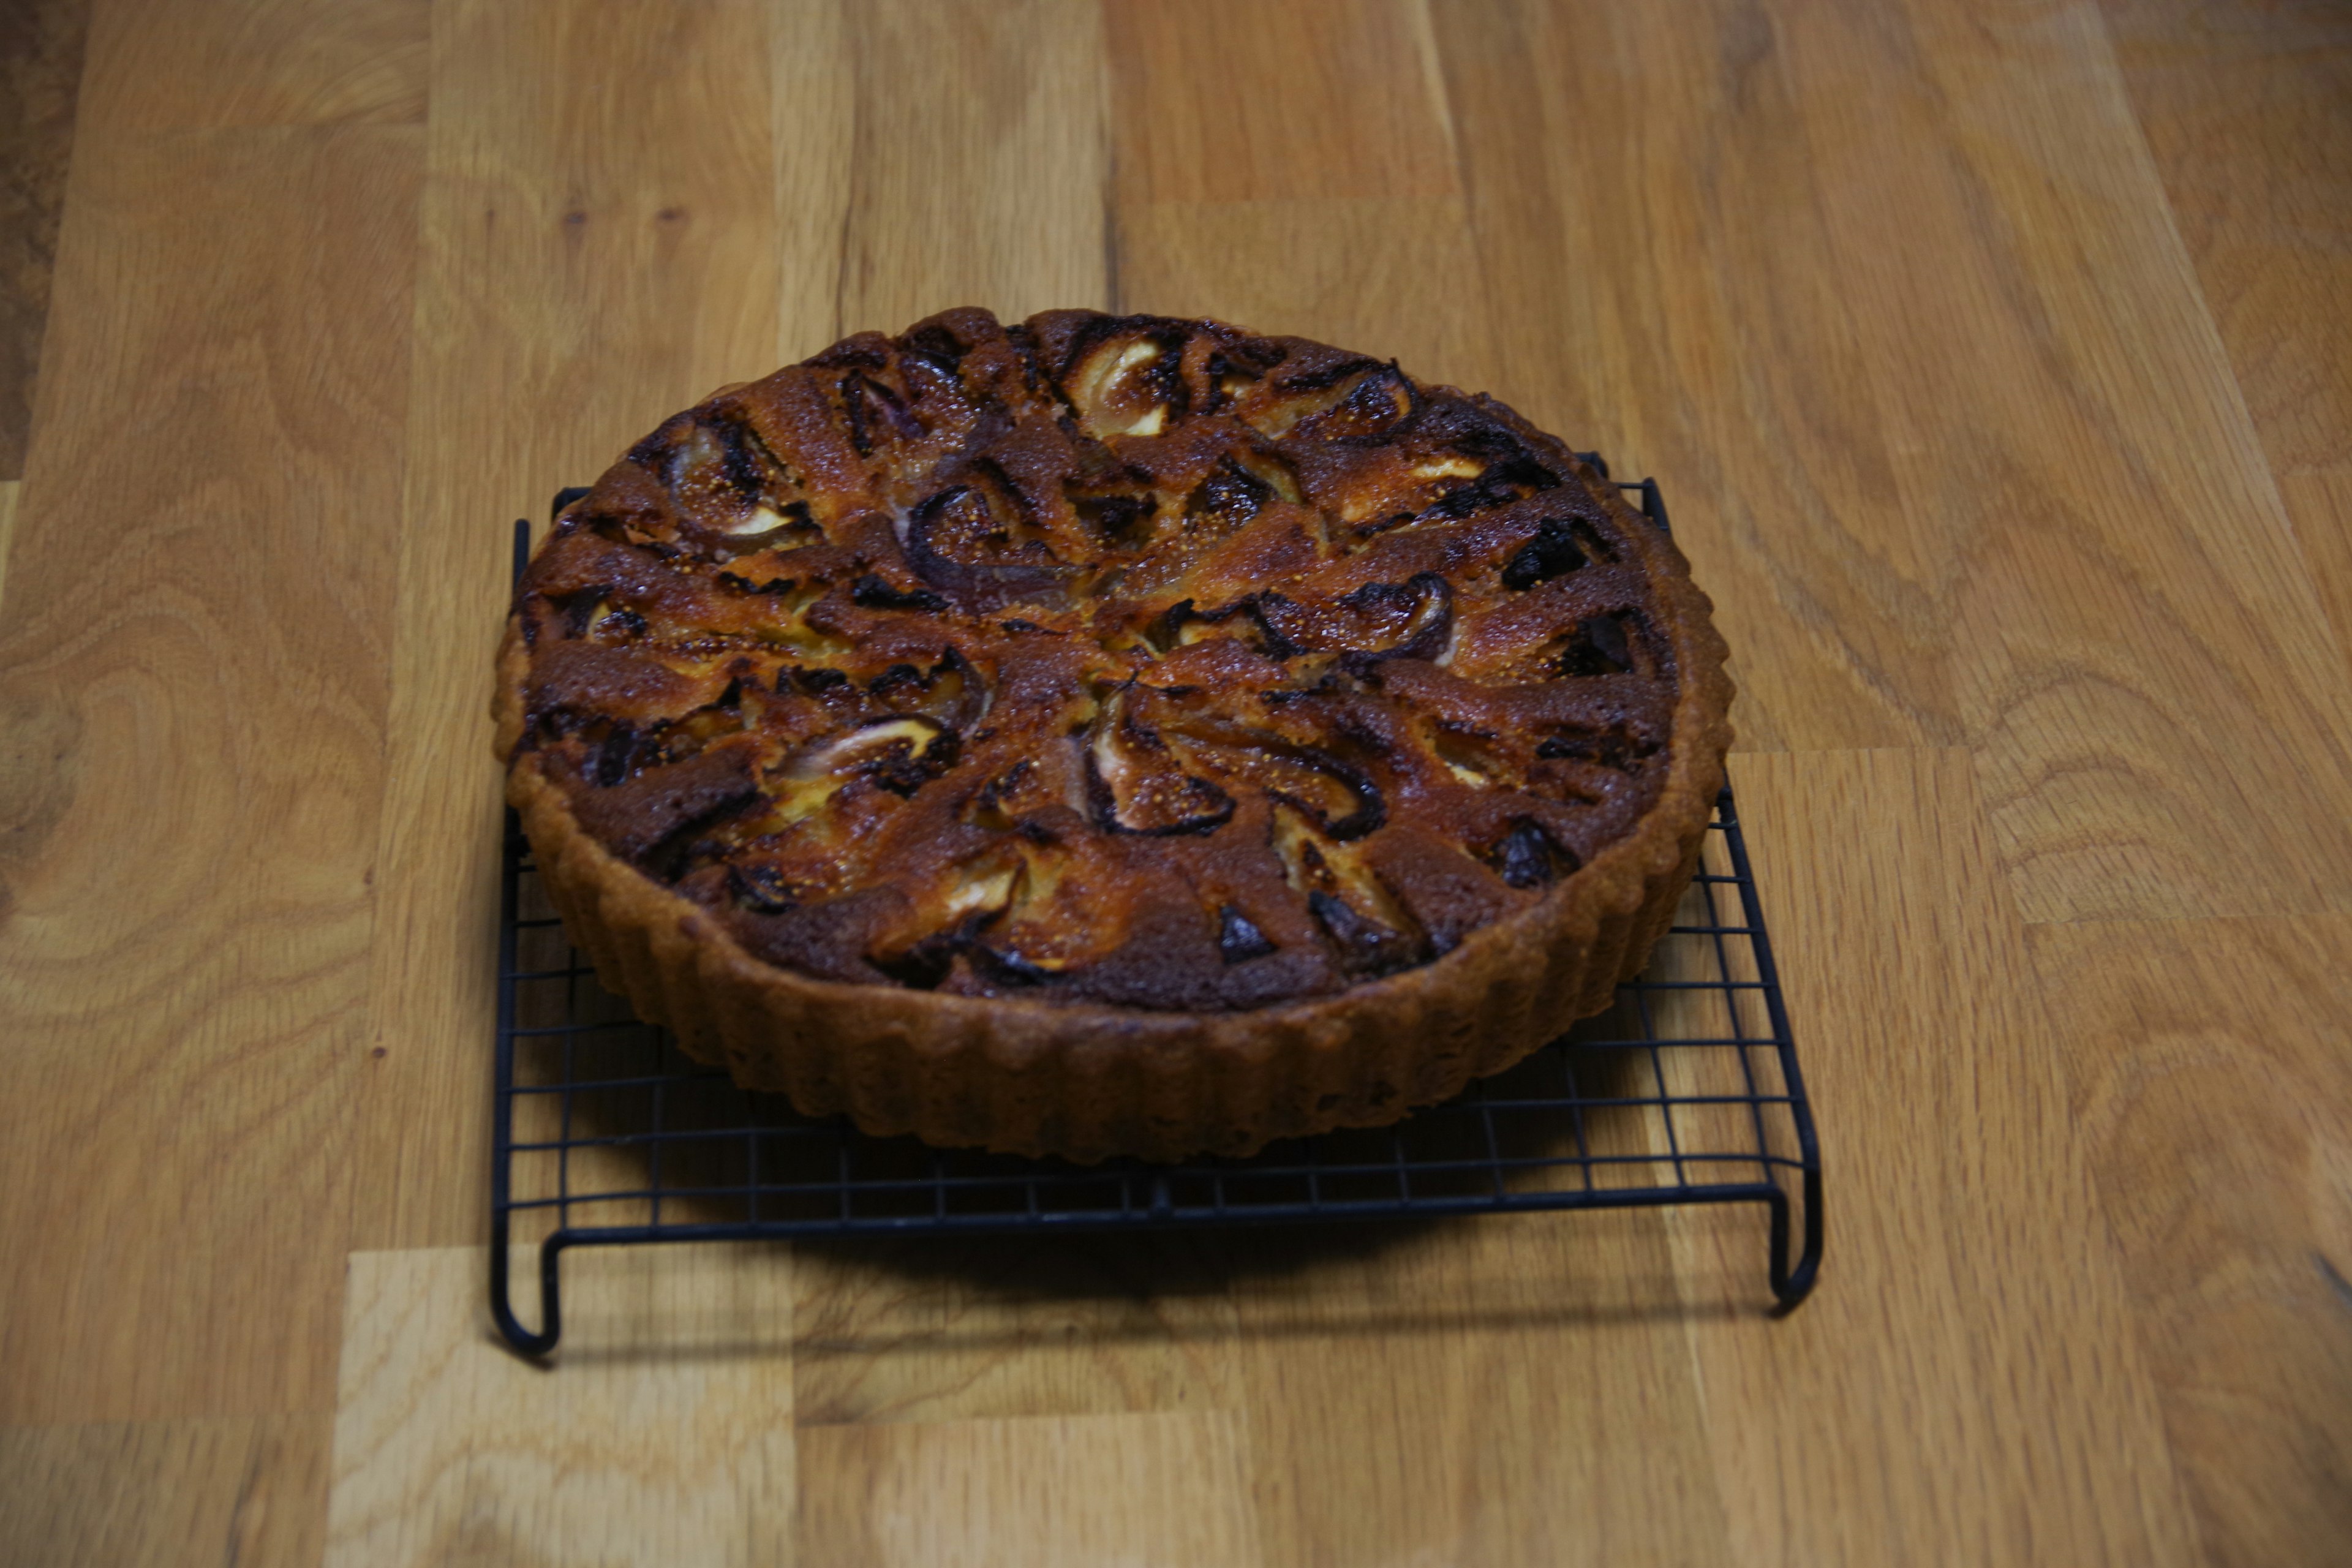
[1109, 734]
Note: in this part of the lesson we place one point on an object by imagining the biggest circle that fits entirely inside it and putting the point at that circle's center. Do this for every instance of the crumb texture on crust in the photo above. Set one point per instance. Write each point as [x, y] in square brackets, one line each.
[1105, 661]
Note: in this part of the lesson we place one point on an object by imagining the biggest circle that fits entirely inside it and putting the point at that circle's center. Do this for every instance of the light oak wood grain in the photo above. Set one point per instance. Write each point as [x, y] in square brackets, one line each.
[1967, 1366]
[897, 197]
[40, 76]
[1010, 1326]
[157, 1494]
[1389, 1376]
[1226, 101]
[580, 213]
[664, 1435]
[1647, 227]
[1989, 357]
[2242, 108]
[210, 922]
[1890, 182]
[1165, 1488]
[8, 531]
[2210, 1068]
[978, 174]
[172, 65]
[2123, 592]
[2320, 500]
[813, 105]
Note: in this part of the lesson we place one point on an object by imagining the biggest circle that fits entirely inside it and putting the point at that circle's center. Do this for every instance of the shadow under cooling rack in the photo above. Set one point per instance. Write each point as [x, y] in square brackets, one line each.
[1685, 1092]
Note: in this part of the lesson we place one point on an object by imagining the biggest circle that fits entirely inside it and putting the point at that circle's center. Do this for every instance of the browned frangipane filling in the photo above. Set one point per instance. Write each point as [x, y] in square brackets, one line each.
[1116, 660]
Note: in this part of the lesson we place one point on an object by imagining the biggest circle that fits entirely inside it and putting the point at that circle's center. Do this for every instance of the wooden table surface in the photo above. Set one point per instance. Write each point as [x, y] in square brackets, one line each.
[1998, 358]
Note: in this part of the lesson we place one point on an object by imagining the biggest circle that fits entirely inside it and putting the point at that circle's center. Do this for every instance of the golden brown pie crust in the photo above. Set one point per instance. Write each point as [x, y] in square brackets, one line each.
[603, 710]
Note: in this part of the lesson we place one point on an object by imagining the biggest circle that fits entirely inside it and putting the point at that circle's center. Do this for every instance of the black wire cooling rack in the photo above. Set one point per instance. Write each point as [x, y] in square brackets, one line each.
[1687, 1091]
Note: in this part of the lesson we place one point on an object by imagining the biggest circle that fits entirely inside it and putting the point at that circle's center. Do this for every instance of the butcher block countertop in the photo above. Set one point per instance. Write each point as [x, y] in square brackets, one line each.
[1996, 357]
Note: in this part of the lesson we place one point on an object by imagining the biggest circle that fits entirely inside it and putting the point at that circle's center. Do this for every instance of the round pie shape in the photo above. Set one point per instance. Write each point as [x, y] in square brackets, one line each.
[1109, 734]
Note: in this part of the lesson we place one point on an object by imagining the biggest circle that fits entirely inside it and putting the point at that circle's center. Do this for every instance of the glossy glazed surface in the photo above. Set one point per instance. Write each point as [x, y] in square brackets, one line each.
[1121, 659]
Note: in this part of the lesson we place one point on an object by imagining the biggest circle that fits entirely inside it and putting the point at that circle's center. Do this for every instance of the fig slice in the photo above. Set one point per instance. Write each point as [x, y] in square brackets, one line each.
[1619, 748]
[1497, 484]
[766, 527]
[582, 608]
[1597, 646]
[1429, 623]
[1169, 629]
[1230, 494]
[1367, 946]
[1527, 857]
[732, 487]
[616, 756]
[1364, 809]
[1003, 966]
[1119, 518]
[1296, 395]
[872, 408]
[774, 588]
[1341, 799]
[1554, 551]
[1238, 937]
[1127, 385]
[951, 690]
[901, 754]
[1137, 785]
[1411, 619]
[973, 897]
[761, 889]
[871, 592]
[955, 544]
[1379, 401]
